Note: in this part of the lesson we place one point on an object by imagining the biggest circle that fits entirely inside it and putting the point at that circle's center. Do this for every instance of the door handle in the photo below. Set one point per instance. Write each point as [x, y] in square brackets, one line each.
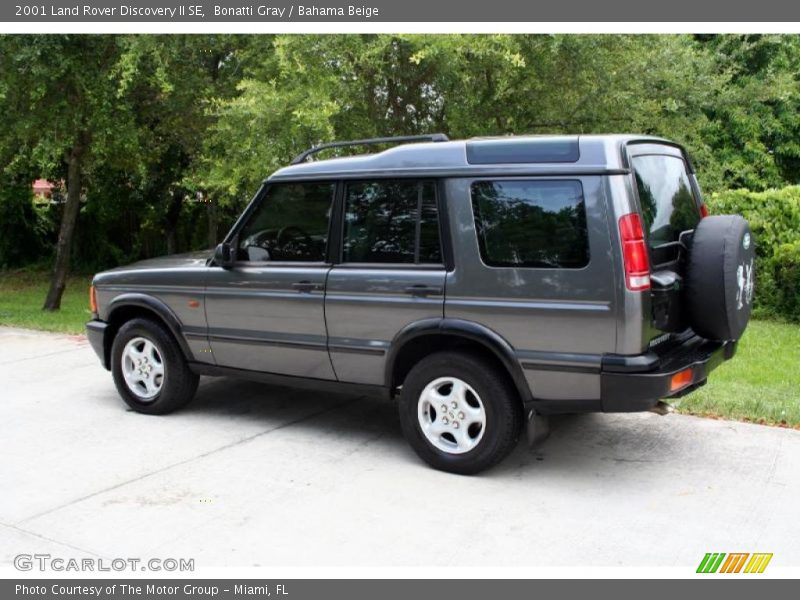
[306, 286]
[423, 290]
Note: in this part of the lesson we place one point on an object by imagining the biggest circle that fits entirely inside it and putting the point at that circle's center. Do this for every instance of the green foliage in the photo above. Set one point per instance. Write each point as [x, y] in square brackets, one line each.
[754, 123]
[786, 271]
[318, 88]
[732, 100]
[59, 91]
[169, 119]
[22, 228]
[774, 217]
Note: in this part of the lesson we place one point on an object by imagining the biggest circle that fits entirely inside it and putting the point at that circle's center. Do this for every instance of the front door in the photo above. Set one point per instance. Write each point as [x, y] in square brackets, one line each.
[267, 313]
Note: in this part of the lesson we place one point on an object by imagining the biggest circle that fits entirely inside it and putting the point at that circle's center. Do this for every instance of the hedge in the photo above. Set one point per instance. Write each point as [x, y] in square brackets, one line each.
[774, 217]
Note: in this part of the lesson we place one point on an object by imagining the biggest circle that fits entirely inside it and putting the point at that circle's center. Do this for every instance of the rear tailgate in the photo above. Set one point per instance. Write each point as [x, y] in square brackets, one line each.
[669, 203]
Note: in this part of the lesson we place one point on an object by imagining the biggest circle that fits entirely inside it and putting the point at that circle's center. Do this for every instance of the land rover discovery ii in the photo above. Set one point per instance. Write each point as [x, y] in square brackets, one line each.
[483, 284]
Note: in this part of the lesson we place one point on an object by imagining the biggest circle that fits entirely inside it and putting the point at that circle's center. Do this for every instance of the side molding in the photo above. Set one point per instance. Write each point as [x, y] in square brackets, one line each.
[470, 330]
[157, 306]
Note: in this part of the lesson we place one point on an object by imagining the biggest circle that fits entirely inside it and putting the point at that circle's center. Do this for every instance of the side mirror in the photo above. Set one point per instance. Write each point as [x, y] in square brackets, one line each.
[225, 255]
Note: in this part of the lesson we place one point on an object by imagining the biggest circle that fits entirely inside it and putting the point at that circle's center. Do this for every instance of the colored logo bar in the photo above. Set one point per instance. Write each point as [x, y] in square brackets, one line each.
[735, 562]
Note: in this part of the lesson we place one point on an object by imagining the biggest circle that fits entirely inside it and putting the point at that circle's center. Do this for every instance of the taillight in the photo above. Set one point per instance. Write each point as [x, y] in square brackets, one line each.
[703, 211]
[634, 253]
[92, 299]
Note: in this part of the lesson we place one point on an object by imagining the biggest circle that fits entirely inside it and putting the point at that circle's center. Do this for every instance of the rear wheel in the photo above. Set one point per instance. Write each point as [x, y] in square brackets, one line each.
[458, 413]
[149, 370]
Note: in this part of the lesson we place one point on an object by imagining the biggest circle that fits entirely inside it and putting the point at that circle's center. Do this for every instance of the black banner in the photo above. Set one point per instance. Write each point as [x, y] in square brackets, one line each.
[418, 589]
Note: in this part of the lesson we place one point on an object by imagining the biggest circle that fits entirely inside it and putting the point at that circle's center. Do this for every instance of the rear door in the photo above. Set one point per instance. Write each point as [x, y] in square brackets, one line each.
[391, 272]
[267, 312]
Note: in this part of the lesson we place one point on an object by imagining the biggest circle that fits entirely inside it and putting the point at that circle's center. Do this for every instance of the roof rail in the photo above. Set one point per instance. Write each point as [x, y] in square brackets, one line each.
[432, 137]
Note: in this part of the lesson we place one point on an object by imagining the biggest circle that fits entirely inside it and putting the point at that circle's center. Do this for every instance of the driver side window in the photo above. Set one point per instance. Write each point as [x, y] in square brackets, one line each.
[289, 224]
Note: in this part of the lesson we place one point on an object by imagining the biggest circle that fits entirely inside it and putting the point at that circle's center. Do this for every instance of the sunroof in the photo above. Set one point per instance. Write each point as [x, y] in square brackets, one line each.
[525, 150]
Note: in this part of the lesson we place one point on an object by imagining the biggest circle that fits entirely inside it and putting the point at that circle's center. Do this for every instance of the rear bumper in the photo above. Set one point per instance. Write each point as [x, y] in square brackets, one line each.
[96, 333]
[634, 383]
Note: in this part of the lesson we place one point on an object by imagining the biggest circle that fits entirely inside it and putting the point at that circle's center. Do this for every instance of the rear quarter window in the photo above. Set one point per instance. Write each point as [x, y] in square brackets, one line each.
[531, 223]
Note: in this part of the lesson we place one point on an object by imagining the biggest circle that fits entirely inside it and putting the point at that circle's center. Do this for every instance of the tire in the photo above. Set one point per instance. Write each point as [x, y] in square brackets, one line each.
[139, 383]
[720, 277]
[486, 394]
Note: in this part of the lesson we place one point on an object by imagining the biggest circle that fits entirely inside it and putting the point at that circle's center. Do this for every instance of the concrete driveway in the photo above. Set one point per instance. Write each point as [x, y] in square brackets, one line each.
[255, 475]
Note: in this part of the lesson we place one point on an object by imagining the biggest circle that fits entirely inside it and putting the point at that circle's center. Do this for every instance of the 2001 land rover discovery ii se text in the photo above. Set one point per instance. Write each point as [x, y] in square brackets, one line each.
[484, 284]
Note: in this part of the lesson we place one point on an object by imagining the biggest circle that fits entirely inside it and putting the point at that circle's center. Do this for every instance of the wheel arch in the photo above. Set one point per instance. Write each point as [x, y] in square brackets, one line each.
[430, 335]
[129, 306]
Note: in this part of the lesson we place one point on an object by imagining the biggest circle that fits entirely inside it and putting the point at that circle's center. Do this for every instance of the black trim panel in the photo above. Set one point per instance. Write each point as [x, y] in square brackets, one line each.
[159, 308]
[562, 368]
[571, 362]
[634, 391]
[468, 330]
[267, 341]
[445, 239]
[195, 336]
[308, 383]
[618, 363]
[336, 226]
[96, 334]
[356, 350]
[357, 346]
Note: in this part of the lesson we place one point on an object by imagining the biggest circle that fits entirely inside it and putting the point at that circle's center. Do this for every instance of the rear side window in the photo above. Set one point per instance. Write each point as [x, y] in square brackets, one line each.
[391, 221]
[665, 194]
[536, 223]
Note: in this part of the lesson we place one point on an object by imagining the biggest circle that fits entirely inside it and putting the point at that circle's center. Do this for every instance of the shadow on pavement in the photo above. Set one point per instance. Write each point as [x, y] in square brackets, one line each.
[576, 443]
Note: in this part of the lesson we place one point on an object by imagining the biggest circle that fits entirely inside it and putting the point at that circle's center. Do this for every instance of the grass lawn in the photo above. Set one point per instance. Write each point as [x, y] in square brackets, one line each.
[761, 384]
[22, 295]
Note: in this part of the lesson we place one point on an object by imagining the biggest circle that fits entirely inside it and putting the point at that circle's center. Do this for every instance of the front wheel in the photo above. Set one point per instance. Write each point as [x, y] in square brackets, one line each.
[149, 369]
[459, 413]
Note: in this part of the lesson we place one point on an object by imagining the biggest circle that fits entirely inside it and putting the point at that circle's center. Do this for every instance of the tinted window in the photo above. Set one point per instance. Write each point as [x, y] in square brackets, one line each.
[522, 150]
[531, 223]
[391, 221]
[665, 193]
[290, 224]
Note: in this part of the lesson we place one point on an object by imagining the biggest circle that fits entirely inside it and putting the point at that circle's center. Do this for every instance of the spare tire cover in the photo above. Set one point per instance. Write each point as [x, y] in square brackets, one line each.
[720, 277]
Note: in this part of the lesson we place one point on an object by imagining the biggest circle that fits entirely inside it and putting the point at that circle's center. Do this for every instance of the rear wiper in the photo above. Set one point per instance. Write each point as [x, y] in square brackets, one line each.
[668, 245]
[679, 242]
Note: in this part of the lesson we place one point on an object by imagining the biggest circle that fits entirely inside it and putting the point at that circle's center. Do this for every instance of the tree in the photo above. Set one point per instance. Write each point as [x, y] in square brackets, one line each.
[317, 88]
[171, 82]
[136, 124]
[67, 120]
[754, 124]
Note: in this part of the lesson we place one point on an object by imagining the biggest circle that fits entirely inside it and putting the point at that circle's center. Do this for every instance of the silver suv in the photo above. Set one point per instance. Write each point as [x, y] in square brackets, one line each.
[483, 284]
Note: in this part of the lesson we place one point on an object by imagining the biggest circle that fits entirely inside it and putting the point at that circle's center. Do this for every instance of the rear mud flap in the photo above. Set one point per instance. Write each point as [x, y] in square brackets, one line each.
[537, 429]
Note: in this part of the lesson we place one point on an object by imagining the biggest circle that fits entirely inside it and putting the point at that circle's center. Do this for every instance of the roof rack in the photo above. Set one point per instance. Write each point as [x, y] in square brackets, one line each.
[433, 137]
